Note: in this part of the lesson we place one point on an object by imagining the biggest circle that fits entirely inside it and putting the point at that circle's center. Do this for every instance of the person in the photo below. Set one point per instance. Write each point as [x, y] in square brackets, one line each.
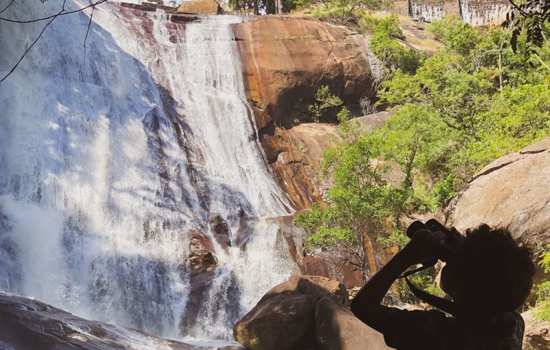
[487, 276]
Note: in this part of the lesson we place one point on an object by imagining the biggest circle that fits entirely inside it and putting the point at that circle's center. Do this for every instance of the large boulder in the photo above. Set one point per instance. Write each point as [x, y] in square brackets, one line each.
[305, 312]
[284, 317]
[280, 322]
[512, 192]
[295, 156]
[27, 324]
[286, 59]
[315, 286]
[338, 329]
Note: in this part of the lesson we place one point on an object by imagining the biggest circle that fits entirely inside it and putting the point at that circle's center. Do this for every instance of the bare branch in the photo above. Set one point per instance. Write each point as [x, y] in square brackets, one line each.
[89, 25]
[29, 48]
[7, 6]
[53, 16]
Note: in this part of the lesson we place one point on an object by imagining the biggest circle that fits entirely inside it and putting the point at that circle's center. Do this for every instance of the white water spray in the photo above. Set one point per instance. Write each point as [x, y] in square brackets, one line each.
[110, 156]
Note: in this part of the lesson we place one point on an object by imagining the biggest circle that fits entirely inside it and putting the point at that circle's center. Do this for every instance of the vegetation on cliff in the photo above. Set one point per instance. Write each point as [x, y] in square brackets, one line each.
[543, 290]
[471, 102]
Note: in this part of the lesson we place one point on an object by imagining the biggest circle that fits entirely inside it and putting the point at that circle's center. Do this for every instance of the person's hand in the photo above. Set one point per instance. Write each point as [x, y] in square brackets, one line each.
[425, 243]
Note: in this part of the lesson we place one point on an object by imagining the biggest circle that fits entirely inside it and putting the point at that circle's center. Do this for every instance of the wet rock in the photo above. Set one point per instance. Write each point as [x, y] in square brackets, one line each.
[201, 263]
[336, 328]
[221, 230]
[27, 324]
[201, 253]
[511, 192]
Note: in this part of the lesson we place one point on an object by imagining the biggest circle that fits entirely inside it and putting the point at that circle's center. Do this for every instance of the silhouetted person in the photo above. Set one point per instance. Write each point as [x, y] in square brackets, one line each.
[487, 276]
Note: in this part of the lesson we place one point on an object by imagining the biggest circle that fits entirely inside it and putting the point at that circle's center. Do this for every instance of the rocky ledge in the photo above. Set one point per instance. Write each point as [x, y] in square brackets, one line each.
[27, 324]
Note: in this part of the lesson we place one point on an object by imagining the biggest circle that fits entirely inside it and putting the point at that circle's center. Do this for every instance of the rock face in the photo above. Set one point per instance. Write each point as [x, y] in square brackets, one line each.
[512, 192]
[537, 332]
[27, 324]
[295, 155]
[306, 312]
[201, 253]
[286, 59]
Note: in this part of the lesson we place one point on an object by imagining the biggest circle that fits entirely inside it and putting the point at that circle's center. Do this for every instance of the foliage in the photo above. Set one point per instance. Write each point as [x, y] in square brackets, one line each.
[347, 12]
[394, 238]
[386, 46]
[325, 104]
[530, 17]
[543, 290]
[455, 34]
[357, 205]
[424, 280]
[469, 103]
[387, 42]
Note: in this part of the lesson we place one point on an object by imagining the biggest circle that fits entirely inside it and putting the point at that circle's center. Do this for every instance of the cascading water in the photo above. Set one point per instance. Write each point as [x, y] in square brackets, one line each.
[110, 155]
[478, 13]
[426, 11]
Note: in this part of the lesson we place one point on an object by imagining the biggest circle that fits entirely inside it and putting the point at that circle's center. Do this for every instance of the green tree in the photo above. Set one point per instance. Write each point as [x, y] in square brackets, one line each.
[386, 43]
[357, 206]
[325, 104]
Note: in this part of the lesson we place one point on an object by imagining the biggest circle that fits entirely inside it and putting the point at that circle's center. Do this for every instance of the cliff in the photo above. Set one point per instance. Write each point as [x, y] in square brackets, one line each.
[285, 60]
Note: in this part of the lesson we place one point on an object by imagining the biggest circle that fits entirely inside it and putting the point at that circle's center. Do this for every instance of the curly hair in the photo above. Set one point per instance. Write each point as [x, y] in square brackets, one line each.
[497, 272]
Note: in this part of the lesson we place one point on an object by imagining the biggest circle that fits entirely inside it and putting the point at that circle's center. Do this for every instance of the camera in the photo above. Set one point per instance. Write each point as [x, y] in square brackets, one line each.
[447, 243]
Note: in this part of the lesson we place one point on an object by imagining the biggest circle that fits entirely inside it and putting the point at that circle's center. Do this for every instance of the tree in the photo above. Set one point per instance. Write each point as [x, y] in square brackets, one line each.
[468, 104]
[357, 206]
[530, 16]
[325, 104]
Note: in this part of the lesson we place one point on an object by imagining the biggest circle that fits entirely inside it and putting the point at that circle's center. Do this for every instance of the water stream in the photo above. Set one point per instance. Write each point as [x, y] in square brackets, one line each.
[113, 152]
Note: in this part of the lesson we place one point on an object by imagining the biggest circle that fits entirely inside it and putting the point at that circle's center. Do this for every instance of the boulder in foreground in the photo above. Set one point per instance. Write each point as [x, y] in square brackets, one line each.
[305, 312]
[27, 324]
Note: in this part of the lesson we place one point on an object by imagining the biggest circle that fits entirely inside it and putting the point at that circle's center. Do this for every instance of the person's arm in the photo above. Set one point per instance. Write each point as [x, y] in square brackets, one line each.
[367, 303]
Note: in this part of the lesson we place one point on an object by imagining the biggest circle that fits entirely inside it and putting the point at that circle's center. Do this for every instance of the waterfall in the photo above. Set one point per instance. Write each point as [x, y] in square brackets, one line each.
[478, 13]
[113, 152]
[426, 11]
